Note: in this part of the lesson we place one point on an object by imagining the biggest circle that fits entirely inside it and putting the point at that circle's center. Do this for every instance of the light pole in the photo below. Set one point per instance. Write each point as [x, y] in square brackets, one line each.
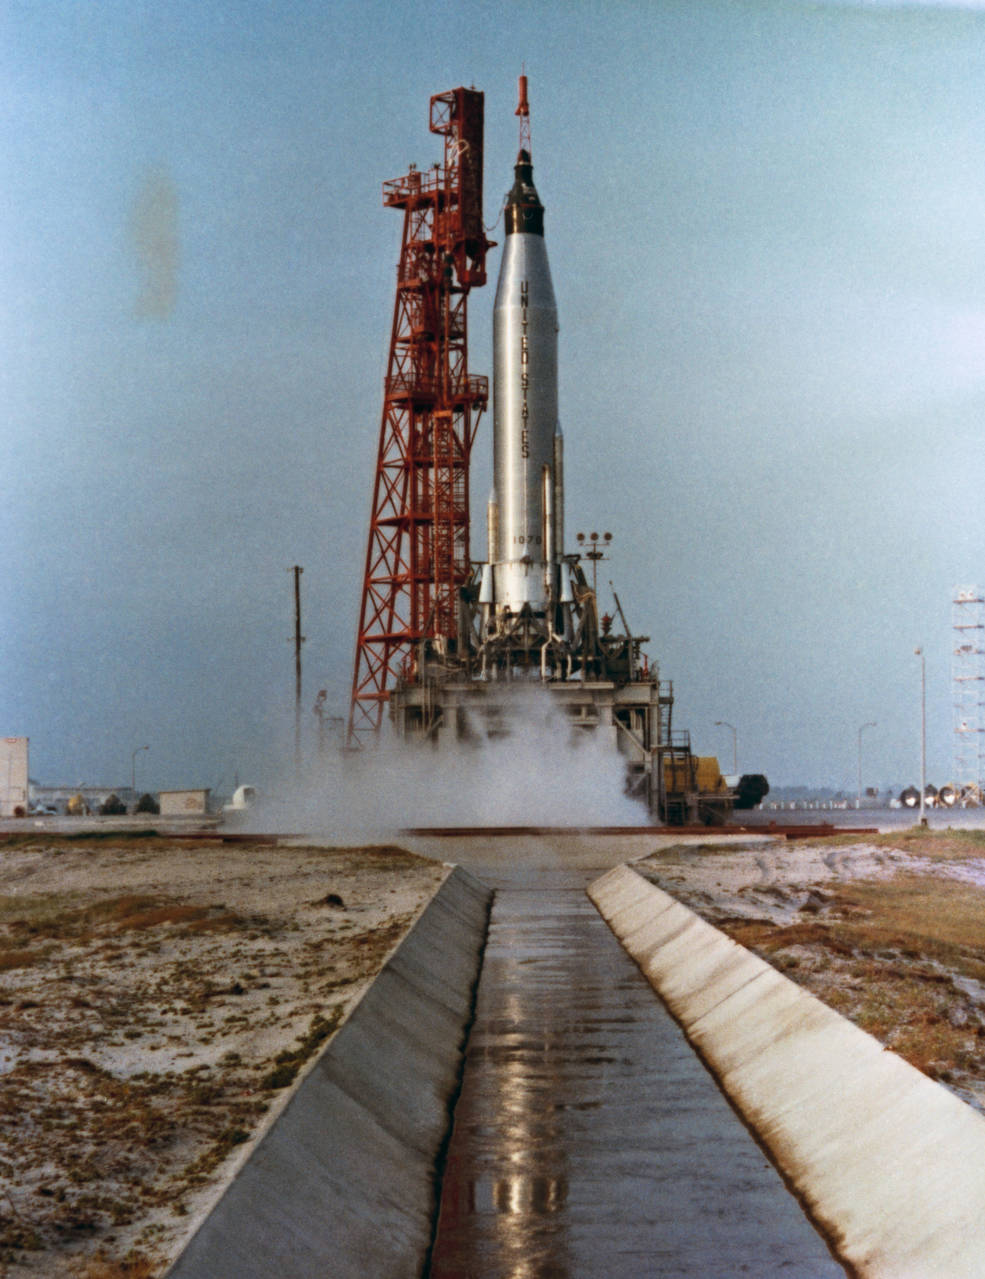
[723, 723]
[299, 639]
[870, 724]
[133, 770]
[595, 554]
[923, 733]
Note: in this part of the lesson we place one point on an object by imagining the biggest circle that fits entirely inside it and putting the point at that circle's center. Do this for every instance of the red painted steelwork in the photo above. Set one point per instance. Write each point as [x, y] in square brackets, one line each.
[523, 111]
[417, 558]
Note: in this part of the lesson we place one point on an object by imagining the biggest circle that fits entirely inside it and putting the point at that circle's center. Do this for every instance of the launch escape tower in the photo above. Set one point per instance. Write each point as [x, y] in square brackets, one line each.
[968, 677]
[447, 644]
[417, 557]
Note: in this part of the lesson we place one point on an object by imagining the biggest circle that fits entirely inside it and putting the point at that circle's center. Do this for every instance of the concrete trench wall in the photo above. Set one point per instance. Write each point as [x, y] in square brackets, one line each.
[891, 1164]
[343, 1182]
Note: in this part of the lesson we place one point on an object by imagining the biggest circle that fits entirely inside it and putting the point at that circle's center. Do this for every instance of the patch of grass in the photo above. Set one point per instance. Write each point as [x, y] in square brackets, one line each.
[12, 958]
[61, 917]
[940, 918]
[936, 843]
[281, 1076]
[767, 938]
[701, 850]
[134, 1266]
[886, 954]
[152, 914]
[209, 1160]
[33, 910]
[389, 856]
[910, 915]
[222, 923]
[290, 1061]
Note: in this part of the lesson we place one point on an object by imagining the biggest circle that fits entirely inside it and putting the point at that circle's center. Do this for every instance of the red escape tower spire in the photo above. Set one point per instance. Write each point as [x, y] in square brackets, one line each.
[417, 558]
[523, 111]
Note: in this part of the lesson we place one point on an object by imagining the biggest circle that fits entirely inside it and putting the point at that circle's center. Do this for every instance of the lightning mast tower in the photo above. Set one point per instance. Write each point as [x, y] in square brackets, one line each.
[417, 558]
[968, 677]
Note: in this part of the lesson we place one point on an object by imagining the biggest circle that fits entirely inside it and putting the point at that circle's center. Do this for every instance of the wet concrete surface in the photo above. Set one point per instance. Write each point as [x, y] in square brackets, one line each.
[589, 1139]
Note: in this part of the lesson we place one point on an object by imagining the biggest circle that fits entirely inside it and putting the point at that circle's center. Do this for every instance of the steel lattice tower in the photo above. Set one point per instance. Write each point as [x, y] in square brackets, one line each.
[968, 676]
[417, 557]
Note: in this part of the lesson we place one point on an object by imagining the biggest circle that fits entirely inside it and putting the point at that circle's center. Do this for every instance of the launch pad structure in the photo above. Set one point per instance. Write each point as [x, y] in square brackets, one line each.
[417, 558]
[448, 644]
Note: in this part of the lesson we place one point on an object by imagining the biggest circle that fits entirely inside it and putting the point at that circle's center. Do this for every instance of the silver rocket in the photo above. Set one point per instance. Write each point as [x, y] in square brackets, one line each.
[526, 510]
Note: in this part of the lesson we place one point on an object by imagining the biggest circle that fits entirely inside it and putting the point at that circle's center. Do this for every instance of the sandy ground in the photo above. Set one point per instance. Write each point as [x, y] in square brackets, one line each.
[156, 999]
[889, 930]
[158, 996]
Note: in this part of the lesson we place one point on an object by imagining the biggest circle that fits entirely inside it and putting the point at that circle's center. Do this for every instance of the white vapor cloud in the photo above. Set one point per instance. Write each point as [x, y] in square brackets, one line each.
[540, 772]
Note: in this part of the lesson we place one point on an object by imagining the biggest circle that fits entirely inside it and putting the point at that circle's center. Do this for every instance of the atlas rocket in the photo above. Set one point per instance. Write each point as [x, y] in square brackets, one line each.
[526, 619]
[526, 509]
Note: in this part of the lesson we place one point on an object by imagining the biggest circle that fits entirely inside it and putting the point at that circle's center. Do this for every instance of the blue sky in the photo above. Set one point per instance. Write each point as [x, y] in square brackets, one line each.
[765, 224]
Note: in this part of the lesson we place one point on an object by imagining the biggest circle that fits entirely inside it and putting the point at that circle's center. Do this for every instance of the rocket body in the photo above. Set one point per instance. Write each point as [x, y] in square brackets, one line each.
[528, 495]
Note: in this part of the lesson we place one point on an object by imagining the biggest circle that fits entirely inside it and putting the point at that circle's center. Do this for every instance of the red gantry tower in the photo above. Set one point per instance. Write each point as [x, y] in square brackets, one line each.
[417, 558]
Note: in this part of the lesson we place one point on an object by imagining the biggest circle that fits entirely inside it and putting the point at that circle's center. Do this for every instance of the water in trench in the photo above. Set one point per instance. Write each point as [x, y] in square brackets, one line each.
[589, 1140]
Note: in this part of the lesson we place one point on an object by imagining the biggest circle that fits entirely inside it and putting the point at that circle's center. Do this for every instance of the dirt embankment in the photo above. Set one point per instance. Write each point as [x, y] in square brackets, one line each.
[890, 932]
[156, 997]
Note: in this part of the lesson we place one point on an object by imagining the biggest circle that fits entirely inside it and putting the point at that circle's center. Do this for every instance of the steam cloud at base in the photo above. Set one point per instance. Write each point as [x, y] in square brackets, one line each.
[540, 772]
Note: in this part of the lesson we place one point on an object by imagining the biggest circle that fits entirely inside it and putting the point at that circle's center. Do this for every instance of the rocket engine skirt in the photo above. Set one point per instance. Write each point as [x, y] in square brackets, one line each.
[525, 418]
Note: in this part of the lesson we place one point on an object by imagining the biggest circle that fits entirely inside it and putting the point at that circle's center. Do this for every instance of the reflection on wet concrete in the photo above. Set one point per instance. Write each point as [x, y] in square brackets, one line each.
[588, 1139]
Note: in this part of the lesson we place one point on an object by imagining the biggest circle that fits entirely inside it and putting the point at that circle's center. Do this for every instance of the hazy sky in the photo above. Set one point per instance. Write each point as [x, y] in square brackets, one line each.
[766, 226]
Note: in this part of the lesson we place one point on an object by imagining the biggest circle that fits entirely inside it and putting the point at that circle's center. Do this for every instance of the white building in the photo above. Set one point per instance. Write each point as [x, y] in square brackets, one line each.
[184, 803]
[13, 776]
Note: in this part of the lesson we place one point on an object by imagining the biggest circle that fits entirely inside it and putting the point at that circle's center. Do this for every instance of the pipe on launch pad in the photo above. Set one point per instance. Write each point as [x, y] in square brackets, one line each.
[342, 1180]
[889, 1163]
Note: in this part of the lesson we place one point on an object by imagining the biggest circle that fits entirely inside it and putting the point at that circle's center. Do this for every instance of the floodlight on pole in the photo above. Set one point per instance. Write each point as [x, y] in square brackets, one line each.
[595, 553]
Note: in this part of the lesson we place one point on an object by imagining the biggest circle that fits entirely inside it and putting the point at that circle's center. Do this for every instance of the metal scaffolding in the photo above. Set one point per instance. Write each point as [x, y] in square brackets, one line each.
[968, 679]
[417, 559]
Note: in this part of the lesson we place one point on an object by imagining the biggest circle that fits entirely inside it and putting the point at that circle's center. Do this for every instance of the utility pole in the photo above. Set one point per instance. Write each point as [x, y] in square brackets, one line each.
[870, 724]
[923, 733]
[298, 641]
